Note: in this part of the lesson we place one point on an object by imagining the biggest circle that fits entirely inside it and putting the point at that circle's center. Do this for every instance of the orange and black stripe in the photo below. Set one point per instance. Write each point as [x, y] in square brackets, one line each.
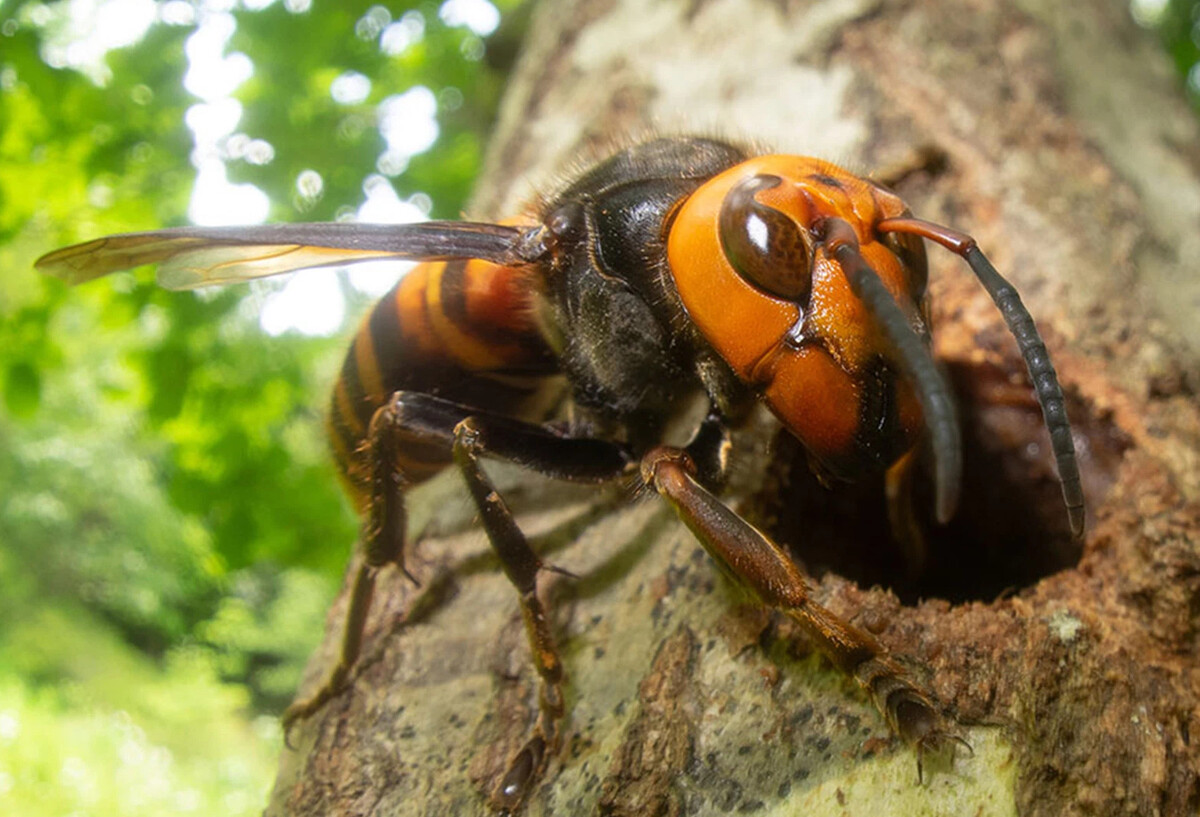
[462, 330]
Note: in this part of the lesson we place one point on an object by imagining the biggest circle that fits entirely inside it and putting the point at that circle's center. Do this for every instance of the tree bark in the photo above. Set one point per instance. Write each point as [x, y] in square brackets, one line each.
[1061, 141]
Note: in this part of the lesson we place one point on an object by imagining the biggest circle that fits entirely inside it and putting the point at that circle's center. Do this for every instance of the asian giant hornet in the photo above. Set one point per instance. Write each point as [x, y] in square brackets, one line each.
[677, 267]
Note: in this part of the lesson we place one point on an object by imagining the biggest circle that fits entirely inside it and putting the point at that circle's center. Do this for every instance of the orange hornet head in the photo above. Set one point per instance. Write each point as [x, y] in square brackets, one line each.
[763, 255]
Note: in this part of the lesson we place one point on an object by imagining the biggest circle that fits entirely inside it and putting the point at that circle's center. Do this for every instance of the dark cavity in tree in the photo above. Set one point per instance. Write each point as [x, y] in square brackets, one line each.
[1011, 528]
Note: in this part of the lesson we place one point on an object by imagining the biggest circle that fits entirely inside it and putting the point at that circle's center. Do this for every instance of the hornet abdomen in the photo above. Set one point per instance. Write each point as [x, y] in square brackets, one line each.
[460, 330]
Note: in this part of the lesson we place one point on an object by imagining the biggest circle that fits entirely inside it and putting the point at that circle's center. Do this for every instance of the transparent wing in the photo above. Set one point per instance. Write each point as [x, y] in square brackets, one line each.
[189, 257]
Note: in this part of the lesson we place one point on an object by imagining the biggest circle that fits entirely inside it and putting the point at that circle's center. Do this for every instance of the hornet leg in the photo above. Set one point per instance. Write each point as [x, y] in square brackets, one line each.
[761, 566]
[901, 511]
[410, 420]
[383, 543]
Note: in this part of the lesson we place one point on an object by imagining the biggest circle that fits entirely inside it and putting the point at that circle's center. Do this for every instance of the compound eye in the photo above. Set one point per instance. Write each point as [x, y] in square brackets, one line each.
[764, 245]
[910, 249]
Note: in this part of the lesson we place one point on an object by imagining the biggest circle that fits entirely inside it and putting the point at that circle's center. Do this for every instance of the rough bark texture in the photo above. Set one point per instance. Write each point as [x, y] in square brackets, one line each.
[1065, 148]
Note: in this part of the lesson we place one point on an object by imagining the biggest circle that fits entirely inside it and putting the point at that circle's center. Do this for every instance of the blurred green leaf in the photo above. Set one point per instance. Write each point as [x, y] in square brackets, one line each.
[1179, 27]
[173, 530]
[22, 388]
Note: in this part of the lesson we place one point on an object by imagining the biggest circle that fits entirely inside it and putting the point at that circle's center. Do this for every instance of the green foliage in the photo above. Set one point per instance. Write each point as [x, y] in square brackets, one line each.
[1179, 27]
[289, 104]
[67, 145]
[135, 739]
[172, 531]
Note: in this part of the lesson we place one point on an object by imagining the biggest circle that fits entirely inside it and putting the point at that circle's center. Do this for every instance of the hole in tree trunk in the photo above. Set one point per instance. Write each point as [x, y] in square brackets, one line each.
[1011, 528]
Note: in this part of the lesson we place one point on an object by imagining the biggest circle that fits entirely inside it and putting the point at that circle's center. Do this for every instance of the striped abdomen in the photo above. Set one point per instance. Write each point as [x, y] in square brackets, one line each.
[461, 330]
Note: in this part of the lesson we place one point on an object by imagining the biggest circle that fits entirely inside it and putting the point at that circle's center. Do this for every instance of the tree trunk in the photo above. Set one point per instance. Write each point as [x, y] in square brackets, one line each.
[1055, 134]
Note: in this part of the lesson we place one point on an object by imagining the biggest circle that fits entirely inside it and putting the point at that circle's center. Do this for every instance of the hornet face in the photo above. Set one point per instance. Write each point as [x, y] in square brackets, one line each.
[752, 254]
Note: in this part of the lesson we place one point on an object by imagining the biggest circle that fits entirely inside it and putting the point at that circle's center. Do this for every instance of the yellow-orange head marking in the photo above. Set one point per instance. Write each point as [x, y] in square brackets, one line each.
[747, 255]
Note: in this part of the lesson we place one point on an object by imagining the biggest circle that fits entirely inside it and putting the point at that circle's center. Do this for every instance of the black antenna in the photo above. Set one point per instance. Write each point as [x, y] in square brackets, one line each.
[1033, 350]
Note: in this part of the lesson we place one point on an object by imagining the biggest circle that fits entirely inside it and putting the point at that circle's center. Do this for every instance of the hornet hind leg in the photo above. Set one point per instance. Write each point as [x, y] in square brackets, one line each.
[383, 535]
[466, 434]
